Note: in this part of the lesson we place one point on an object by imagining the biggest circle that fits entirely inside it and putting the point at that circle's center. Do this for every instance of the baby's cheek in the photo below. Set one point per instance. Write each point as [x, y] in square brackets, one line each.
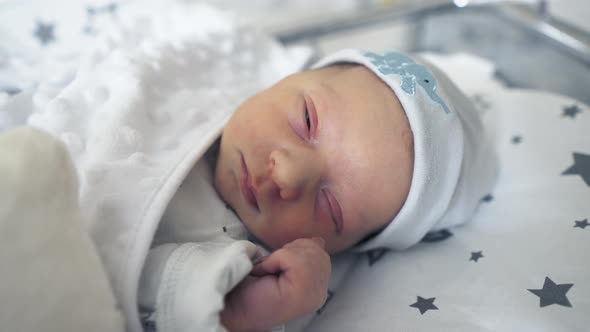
[276, 237]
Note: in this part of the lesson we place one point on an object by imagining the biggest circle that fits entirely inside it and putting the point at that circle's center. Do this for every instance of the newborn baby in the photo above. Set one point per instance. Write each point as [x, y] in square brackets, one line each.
[306, 159]
[364, 151]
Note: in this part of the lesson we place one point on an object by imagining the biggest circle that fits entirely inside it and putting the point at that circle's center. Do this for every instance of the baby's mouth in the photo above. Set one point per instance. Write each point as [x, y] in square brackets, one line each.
[246, 186]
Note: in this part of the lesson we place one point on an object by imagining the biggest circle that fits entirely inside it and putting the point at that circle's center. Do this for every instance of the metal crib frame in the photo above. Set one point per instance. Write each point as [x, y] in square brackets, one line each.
[526, 45]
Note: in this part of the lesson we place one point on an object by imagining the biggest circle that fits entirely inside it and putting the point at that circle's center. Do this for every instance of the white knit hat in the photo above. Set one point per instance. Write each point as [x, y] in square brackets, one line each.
[454, 163]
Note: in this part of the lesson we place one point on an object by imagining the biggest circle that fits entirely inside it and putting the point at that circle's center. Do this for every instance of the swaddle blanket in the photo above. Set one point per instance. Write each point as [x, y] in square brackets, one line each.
[144, 105]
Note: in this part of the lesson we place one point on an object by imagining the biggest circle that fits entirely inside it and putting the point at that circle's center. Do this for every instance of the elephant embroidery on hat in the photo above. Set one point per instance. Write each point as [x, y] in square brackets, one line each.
[410, 72]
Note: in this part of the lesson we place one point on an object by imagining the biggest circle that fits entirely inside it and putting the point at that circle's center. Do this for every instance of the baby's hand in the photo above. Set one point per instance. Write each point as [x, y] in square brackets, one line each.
[287, 284]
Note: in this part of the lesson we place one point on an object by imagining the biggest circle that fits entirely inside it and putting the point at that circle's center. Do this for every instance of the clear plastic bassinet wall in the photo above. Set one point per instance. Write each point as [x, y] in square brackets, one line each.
[529, 47]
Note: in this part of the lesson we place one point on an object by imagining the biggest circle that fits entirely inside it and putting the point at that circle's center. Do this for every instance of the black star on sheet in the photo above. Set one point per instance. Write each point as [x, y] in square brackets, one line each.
[112, 7]
[487, 198]
[552, 293]
[44, 32]
[475, 255]
[330, 294]
[90, 11]
[571, 111]
[580, 167]
[376, 254]
[582, 223]
[11, 90]
[516, 139]
[424, 304]
[437, 236]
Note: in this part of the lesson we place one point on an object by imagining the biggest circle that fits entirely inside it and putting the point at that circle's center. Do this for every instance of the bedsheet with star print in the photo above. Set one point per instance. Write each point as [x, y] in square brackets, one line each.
[522, 263]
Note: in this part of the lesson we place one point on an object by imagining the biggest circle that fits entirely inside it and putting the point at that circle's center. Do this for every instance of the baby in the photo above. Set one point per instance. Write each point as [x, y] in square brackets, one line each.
[366, 150]
[306, 159]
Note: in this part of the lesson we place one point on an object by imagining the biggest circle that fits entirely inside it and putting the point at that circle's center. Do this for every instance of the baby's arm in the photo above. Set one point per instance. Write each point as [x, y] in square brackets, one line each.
[287, 284]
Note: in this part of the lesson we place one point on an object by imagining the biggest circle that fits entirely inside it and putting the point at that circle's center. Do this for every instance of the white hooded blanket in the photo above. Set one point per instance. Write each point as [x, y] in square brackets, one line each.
[144, 105]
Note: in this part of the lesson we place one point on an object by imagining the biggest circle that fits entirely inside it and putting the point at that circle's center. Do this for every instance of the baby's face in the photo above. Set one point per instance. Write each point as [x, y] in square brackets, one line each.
[325, 153]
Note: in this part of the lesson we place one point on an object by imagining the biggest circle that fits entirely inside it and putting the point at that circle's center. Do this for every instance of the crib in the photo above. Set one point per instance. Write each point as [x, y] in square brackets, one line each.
[521, 264]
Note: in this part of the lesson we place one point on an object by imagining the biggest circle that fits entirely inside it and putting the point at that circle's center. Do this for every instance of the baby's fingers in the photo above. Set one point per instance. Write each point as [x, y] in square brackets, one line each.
[267, 265]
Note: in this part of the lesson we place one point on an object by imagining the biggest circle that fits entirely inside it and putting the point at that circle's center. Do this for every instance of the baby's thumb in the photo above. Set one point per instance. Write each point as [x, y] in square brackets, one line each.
[265, 266]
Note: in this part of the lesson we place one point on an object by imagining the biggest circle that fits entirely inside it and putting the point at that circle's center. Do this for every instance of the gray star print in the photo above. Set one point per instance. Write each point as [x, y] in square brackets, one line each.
[487, 198]
[516, 139]
[552, 293]
[44, 32]
[475, 255]
[571, 111]
[582, 223]
[580, 167]
[424, 304]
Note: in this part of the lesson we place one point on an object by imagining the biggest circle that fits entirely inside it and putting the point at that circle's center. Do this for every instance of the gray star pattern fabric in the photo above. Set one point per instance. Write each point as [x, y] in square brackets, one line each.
[571, 111]
[516, 139]
[580, 167]
[424, 305]
[475, 256]
[44, 32]
[552, 293]
[582, 223]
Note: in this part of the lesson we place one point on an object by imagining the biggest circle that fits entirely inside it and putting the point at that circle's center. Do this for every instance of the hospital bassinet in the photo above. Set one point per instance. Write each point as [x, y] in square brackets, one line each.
[521, 264]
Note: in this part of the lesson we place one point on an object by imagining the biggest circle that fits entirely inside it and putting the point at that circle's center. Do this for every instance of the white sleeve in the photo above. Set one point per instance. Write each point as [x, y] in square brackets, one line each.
[182, 287]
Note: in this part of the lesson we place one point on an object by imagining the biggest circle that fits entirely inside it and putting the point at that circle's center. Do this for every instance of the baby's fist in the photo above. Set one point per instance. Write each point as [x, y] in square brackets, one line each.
[303, 270]
[287, 284]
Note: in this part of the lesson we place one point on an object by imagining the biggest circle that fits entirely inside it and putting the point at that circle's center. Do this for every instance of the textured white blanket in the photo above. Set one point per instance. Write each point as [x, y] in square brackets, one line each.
[145, 103]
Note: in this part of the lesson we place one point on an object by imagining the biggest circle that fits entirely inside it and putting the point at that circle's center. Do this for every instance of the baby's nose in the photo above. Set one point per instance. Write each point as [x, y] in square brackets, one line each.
[291, 173]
